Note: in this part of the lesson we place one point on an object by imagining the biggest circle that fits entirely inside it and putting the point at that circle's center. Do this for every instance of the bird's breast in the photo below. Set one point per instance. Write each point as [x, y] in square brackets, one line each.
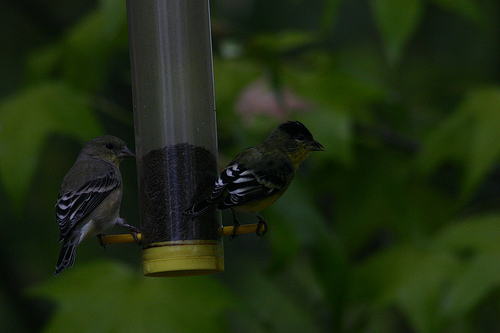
[258, 205]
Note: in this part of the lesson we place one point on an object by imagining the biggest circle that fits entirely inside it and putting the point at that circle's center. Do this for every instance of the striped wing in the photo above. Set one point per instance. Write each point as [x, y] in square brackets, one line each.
[72, 207]
[244, 186]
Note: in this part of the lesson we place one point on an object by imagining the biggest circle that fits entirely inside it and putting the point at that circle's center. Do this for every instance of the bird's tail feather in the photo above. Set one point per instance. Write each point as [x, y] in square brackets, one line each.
[67, 255]
[200, 207]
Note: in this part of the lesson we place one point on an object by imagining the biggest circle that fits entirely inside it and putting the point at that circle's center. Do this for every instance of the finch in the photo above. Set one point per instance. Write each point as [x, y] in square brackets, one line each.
[90, 196]
[259, 175]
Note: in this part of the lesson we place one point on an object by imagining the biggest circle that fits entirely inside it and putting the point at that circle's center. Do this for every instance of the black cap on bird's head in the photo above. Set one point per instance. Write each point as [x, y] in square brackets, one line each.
[297, 131]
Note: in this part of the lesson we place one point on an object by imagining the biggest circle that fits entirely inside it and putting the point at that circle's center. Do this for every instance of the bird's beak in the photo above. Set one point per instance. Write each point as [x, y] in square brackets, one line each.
[316, 146]
[126, 152]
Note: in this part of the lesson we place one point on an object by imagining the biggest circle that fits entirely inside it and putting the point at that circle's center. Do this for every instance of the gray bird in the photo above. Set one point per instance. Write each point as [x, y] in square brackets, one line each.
[90, 196]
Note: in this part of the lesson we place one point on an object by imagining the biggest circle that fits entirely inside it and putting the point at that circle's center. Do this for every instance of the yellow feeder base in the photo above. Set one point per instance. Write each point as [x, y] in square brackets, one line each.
[183, 258]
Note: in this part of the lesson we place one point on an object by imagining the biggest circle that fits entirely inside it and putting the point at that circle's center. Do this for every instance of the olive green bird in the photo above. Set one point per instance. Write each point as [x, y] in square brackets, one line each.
[259, 175]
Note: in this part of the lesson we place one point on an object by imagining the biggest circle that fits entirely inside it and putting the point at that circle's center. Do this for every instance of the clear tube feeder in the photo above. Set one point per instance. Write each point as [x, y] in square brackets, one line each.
[176, 140]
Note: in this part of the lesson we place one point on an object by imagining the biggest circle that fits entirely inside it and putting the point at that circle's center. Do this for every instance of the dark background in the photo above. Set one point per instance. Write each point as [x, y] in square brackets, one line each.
[394, 228]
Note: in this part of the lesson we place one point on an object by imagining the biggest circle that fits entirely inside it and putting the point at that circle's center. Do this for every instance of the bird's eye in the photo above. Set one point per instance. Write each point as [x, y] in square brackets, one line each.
[109, 146]
[300, 137]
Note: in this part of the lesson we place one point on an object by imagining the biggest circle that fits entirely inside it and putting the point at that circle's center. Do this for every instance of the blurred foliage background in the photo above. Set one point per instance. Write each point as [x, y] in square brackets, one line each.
[394, 228]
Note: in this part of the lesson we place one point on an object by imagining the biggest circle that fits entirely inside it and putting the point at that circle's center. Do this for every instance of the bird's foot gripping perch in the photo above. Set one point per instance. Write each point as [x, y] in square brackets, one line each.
[133, 230]
[236, 225]
[101, 241]
[262, 223]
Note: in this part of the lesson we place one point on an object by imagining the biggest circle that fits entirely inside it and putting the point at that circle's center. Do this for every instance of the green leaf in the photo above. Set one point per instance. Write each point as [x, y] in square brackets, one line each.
[420, 295]
[326, 81]
[282, 42]
[337, 138]
[312, 231]
[475, 234]
[470, 136]
[449, 141]
[291, 233]
[475, 240]
[479, 279]
[484, 106]
[111, 297]
[297, 214]
[380, 276]
[84, 53]
[43, 63]
[412, 278]
[444, 279]
[272, 307]
[89, 46]
[397, 22]
[467, 8]
[27, 119]
[233, 75]
[330, 12]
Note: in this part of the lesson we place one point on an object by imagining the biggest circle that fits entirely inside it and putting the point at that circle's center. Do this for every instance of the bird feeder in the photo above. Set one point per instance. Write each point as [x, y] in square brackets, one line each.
[175, 130]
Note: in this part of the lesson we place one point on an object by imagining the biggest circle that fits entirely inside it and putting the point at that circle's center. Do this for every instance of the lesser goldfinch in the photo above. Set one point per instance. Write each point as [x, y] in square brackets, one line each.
[259, 175]
[90, 196]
